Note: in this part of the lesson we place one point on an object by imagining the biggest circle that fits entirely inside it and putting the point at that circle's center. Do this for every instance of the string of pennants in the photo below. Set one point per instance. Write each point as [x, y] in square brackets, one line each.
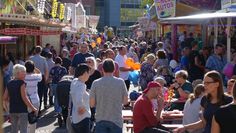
[27, 31]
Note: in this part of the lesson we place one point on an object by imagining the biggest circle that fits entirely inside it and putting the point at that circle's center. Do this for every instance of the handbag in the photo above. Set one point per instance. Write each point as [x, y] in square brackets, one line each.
[32, 117]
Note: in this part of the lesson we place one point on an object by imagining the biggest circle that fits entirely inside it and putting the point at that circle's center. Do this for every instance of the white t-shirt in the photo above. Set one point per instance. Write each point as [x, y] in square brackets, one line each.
[80, 98]
[121, 62]
[32, 86]
[192, 113]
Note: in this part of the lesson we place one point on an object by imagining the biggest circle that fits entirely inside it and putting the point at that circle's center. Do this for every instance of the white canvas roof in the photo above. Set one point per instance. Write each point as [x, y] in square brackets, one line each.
[198, 18]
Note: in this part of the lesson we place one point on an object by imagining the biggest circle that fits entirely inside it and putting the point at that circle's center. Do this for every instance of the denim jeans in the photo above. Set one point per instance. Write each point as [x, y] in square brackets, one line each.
[82, 127]
[57, 108]
[19, 120]
[107, 127]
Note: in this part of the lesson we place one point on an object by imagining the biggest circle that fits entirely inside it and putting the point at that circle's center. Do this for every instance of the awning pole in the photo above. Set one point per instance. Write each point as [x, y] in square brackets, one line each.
[229, 21]
[215, 32]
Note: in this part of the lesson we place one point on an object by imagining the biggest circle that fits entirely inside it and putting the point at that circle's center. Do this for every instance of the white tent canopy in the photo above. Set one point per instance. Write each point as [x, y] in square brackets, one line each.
[205, 18]
[198, 18]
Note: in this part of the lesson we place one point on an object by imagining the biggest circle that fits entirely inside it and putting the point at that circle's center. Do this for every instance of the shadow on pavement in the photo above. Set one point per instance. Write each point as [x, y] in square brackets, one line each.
[46, 120]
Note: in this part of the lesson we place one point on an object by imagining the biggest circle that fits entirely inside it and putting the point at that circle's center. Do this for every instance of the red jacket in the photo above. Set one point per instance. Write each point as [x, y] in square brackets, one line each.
[143, 114]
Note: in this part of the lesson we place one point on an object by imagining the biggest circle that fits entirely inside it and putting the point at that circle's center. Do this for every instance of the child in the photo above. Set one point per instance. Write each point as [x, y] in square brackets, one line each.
[192, 107]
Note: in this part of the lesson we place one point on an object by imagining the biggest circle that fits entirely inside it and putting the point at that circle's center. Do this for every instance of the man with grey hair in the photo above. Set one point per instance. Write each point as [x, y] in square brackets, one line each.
[81, 55]
[41, 63]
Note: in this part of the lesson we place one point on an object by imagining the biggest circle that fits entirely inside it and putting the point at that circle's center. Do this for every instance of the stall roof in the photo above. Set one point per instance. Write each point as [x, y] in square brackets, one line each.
[8, 39]
[198, 18]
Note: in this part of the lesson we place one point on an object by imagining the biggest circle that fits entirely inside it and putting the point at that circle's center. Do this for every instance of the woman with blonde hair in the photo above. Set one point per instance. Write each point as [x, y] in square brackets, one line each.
[15, 94]
[147, 71]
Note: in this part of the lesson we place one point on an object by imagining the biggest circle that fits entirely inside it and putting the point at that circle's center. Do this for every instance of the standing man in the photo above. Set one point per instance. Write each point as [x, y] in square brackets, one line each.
[217, 61]
[108, 94]
[124, 69]
[41, 63]
[81, 55]
[196, 68]
[51, 64]
[110, 54]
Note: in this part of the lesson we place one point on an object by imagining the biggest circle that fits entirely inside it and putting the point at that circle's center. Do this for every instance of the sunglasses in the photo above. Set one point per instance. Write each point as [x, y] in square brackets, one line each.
[207, 83]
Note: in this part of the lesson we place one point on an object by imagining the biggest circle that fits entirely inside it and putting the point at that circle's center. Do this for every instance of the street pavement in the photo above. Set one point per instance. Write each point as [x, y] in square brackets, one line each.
[48, 122]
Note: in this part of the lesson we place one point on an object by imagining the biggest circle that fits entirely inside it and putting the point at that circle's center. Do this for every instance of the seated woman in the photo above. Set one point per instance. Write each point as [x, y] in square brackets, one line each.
[192, 107]
[165, 72]
[230, 84]
[182, 88]
[225, 118]
[210, 103]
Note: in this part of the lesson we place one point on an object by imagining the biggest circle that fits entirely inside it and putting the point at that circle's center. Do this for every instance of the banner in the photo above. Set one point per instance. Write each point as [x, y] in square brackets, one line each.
[93, 21]
[165, 8]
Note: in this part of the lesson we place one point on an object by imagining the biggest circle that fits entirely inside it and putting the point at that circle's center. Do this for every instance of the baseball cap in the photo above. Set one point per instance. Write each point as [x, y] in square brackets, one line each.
[150, 85]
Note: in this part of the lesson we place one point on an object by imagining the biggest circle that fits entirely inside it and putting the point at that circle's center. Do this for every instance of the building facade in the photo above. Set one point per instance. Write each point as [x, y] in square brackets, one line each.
[119, 14]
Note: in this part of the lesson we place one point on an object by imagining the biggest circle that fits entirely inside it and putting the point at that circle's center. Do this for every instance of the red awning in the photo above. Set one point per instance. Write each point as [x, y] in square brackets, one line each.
[27, 31]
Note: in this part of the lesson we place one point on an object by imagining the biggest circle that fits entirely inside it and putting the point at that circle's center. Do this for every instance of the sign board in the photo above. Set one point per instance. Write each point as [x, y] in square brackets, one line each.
[165, 8]
[143, 22]
[152, 12]
[93, 21]
[227, 3]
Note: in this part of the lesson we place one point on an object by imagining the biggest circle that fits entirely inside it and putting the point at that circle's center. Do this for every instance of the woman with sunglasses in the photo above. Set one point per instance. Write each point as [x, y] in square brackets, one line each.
[224, 119]
[212, 101]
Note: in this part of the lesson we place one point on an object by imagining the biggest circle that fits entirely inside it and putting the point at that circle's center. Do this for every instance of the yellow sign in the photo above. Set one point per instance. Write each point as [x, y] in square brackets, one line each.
[62, 11]
[54, 8]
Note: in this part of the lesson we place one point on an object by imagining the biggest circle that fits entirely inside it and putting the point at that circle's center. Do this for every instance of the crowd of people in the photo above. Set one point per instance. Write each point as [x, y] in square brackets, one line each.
[95, 83]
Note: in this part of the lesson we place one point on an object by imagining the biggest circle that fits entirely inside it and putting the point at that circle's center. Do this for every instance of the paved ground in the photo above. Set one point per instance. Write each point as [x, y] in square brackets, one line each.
[48, 123]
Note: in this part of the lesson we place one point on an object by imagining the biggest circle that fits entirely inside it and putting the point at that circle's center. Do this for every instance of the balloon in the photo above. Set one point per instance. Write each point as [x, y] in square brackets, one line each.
[99, 40]
[93, 44]
[134, 77]
[129, 62]
[136, 66]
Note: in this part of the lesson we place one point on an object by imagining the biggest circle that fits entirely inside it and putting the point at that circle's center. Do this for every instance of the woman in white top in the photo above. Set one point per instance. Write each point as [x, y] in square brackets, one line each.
[80, 98]
[192, 107]
[32, 78]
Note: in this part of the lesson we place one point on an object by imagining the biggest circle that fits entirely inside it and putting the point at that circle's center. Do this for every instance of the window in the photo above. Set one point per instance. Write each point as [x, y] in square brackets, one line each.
[87, 9]
[130, 14]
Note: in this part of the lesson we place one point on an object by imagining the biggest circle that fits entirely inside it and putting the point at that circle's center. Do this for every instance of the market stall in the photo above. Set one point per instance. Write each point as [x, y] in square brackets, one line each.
[206, 18]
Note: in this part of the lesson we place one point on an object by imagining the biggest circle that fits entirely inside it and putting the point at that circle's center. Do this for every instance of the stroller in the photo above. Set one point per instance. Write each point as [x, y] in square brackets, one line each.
[63, 93]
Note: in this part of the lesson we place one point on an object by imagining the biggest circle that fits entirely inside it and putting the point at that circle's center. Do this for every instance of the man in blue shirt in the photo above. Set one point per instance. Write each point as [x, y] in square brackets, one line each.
[216, 61]
[81, 55]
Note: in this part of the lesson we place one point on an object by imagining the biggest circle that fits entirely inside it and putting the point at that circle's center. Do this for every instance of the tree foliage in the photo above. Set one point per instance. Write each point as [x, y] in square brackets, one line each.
[145, 2]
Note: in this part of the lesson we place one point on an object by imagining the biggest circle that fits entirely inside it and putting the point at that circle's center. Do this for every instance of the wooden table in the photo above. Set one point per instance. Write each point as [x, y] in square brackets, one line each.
[167, 115]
